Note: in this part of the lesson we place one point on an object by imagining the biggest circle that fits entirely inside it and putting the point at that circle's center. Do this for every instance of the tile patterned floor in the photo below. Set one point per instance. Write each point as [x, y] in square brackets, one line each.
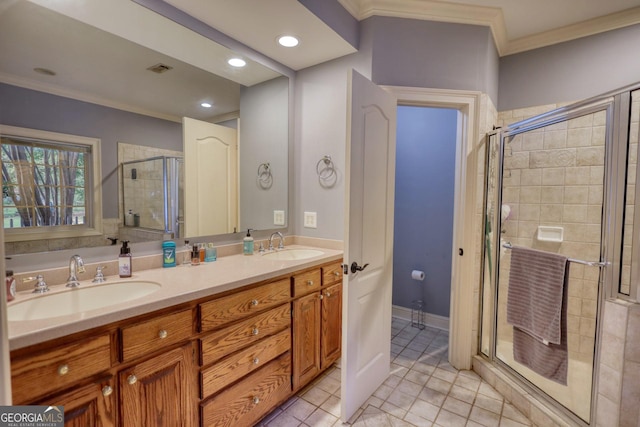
[422, 390]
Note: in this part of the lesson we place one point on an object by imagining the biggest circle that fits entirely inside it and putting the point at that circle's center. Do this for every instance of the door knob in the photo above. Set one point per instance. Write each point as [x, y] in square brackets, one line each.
[355, 267]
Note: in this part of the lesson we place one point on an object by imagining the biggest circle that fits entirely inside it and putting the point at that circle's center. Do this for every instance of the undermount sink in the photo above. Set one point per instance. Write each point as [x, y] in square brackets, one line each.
[292, 254]
[78, 300]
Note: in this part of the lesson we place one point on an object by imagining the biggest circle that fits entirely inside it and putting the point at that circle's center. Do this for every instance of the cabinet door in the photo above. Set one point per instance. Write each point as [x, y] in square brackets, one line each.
[306, 339]
[161, 391]
[91, 405]
[331, 333]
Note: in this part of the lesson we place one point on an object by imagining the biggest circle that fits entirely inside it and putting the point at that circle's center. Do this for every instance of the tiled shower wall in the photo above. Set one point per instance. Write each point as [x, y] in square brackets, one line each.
[553, 176]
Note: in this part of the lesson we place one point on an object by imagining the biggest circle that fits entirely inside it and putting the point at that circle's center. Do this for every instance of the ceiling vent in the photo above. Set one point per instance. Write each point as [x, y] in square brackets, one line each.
[159, 68]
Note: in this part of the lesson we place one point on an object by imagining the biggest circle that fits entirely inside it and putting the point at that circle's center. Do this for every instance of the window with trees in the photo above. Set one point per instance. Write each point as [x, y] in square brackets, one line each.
[47, 183]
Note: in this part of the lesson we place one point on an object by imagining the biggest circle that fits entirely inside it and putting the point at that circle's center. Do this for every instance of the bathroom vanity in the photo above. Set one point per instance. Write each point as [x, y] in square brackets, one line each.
[213, 355]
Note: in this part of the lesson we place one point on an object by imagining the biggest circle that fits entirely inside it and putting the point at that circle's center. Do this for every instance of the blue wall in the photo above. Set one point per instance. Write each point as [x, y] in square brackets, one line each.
[423, 234]
[37, 110]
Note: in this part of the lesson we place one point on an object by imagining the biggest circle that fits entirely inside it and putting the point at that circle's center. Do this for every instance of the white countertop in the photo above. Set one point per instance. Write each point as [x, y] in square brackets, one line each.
[179, 284]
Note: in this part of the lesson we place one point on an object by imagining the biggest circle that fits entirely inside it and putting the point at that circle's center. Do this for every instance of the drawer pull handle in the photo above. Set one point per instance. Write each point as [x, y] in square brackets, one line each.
[256, 400]
[310, 282]
[256, 361]
[255, 331]
[107, 390]
[63, 369]
[254, 302]
[162, 334]
[132, 379]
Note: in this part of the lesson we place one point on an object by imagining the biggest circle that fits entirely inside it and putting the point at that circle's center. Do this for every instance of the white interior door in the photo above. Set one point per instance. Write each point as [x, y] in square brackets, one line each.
[368, 241]
[210, 178]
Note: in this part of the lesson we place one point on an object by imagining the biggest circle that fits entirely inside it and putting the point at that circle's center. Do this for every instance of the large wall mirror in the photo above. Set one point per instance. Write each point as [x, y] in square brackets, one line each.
[71, 71]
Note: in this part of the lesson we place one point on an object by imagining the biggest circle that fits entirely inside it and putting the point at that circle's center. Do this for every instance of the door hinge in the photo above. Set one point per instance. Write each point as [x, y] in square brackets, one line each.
[345, 269]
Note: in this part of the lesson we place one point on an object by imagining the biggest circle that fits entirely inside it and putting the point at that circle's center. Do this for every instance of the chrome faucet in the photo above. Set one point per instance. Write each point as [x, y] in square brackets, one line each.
[76, 265]
[281, 245]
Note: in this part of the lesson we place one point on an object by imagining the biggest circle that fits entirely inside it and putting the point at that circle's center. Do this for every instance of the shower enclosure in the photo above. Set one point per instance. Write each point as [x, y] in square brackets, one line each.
[152, 192]
[563, 182]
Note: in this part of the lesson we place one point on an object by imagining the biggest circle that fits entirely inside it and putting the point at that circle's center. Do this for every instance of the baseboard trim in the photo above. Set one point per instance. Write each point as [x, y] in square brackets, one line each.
[432, 320]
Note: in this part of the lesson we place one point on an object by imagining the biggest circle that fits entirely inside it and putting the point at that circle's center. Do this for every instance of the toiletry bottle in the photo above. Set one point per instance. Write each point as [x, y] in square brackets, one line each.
[201, 251]
[211, 253]
[124, 260]
[195, 255]
[11, 285]
[168, 254]
[128, 218]
[247, 244]
[186, 255]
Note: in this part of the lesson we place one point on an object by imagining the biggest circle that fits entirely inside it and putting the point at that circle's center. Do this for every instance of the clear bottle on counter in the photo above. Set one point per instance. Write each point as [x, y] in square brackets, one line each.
[195, 255]
[186, 253]
[11, 285]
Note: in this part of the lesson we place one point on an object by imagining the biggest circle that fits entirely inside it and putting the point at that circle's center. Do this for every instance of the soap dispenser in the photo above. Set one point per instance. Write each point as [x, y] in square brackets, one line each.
[124, 260]
[247, 244]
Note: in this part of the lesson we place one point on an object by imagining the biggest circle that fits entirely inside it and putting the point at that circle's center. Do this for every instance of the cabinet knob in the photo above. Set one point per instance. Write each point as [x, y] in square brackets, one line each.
[131, 379]
[255, 331]
[254, 302]
[107, 390]
[336, 273]
[309, 282]
[63, 369]
[256, 361]
[321, 297]
[162, 334]
[328, 294]
[256, 400]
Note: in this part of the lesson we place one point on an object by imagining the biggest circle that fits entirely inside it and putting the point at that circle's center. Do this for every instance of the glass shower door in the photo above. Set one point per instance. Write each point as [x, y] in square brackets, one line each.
[552, 200]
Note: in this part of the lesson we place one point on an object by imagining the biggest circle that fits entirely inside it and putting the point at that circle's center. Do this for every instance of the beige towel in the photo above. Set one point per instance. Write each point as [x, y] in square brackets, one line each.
[536, 307]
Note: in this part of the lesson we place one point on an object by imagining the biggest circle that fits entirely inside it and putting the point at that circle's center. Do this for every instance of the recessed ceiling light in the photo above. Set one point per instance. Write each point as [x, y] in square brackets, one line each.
[205, 105]
[288, 41]
[237, 62]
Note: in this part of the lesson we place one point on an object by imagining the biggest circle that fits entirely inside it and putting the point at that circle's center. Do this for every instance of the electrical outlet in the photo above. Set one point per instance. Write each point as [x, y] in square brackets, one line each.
[310, 220]
[278, 217]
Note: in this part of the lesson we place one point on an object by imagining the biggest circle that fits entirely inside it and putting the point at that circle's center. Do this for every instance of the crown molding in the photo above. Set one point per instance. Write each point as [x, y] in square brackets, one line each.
[598, 25]
[432, 10]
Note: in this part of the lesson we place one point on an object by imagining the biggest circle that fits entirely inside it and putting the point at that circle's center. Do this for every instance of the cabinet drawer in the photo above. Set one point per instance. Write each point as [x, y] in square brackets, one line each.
[239, 364]
[242, 304]
[306, 282]
[232, 338]
[156, 333]
[252, 398]
[332, 274]
[53, 370]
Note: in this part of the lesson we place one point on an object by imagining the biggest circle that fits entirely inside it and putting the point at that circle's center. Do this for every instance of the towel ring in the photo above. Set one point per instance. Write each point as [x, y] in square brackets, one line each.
[264, 175]
[328, 170]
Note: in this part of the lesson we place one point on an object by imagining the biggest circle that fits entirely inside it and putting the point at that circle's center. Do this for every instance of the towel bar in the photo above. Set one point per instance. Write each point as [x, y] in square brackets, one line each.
[577, 261]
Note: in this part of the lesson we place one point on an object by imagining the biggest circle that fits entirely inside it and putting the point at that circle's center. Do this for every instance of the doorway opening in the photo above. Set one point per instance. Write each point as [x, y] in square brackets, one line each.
[424, 211]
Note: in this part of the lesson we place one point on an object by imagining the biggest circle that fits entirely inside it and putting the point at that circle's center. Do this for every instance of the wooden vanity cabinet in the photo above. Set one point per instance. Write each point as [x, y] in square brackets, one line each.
[226, 360]
[91, 405]
[317, 322]
[160, 391]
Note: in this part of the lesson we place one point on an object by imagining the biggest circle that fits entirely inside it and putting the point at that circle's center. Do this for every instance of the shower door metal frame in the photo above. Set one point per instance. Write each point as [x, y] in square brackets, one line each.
[617, 107]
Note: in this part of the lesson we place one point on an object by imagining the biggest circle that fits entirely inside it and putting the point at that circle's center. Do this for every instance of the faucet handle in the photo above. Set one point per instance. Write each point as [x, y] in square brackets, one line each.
[99, 277]
[261, 249]
[40, 287]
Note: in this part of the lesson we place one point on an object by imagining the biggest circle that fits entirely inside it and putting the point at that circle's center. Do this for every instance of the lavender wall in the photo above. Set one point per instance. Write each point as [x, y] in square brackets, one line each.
[425, 178]
[411, 52]
[37, 110]
[337, 17]
[570, 71]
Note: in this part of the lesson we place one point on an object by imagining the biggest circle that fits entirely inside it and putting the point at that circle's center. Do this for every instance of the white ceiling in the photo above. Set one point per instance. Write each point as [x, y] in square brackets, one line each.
[102, 34]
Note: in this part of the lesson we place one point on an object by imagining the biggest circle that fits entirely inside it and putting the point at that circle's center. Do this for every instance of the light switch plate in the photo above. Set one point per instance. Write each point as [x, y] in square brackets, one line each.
[278, 217]
[311, 220]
